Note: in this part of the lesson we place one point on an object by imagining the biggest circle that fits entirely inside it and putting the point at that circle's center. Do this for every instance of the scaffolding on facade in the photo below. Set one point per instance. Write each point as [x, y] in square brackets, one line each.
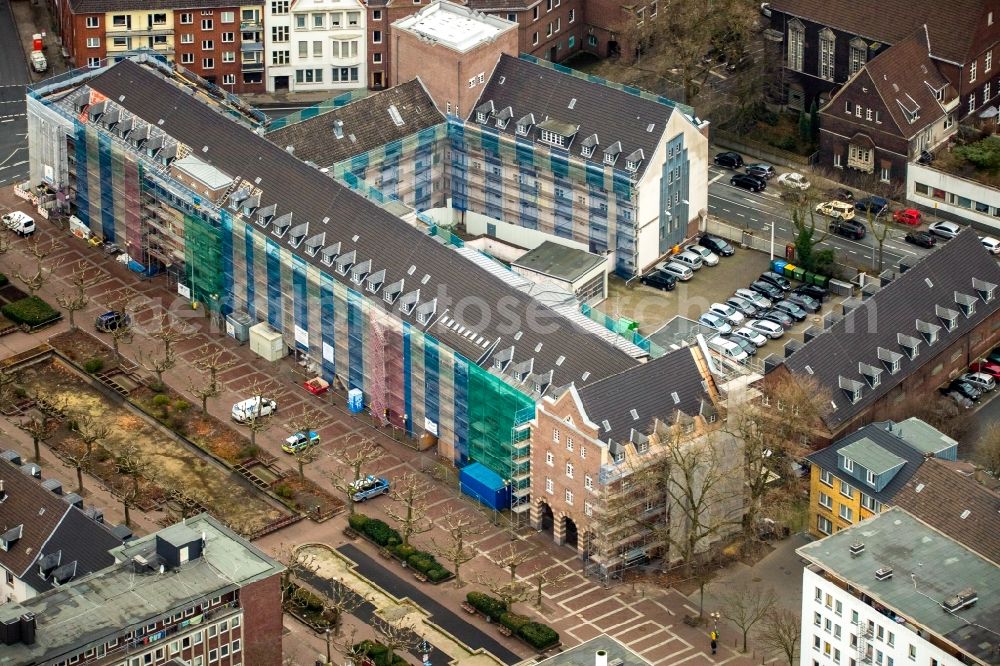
[520, 467]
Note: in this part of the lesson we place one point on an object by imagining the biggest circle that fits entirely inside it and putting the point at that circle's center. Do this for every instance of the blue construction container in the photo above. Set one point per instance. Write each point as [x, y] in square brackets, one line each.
[355, 401]
[483, 484]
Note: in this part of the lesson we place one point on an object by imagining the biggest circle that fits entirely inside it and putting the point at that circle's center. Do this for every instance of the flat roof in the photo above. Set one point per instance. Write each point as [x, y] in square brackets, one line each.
[454, 26]
[871, 456]
[558, 261]
[583, 654]
[923, 436]
[928, 568]
[98, 607]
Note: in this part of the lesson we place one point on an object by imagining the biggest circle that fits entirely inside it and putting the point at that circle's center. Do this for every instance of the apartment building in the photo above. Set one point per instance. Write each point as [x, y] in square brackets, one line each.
[312, 45]
[861, 474]
[49, 539]
[910, 332]
[895, 590]
[612, 171]
[547, 29]
[218, 41]
[206, 597]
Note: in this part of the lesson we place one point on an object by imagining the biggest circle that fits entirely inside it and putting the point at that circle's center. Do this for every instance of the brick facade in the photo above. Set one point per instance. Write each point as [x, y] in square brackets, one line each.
[261, 603]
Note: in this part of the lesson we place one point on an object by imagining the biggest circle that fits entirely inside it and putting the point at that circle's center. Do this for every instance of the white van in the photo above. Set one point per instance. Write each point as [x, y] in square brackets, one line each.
[727, 349]
[689, 259]
[253, 408]
[20, 223]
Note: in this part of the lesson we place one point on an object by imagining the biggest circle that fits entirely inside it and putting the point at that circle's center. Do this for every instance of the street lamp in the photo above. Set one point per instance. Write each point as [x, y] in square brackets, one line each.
[771, 225]
[715, 617]
[328, 659]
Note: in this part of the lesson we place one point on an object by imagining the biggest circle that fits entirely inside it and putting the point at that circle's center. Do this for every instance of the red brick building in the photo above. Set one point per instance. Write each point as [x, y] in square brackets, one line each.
[219, 41]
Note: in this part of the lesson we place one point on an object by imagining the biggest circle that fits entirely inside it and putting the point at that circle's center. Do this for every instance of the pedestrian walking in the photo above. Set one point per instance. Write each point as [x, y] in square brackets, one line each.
[715, 640]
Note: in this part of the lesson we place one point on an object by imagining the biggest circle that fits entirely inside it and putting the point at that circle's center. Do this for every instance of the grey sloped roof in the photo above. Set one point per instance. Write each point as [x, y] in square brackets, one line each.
[614, 115]
[877, 434]
[403, 250]
[894, 311]
[649, 390]
[81, 540]
[366, 123]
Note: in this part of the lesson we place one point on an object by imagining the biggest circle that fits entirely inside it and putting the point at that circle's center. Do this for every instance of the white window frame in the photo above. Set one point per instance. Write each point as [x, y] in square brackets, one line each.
[569, 470]
[568, 497]
[93, 42]
[550, 486]
[549, 459]
[796, 46]
[972, 71]
[93, 21]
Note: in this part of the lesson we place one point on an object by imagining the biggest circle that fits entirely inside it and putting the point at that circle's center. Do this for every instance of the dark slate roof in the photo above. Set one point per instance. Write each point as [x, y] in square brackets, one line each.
[827, 459]
[366, 124]
[614, 115]
[892, 311]
[902, 75]
[954, 26]
[100, 6]
[81, 540]
[403, 251]
[650, 390]
[944, 496]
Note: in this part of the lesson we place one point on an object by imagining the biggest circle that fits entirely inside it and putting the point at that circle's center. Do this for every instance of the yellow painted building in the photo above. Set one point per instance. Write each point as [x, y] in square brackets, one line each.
[857, 476]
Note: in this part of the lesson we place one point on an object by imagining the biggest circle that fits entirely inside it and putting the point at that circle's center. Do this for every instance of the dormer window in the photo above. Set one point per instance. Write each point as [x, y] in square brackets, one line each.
[392, 292]
[281, 225]
[984, 289]
[551, 138]
[948, 317]
[375, 281]
[556, 133]
[361, 271]
[265, 215]
[523, 369]
[852, 388]
[426, 312]
[10, 537]
[503, 358]
[612, 152]
[314, 244]
[484, 111]
[633, 160]
[238, 197]
[890, 359]
[409, 302]
[846, 463]
[928, 331]
[503, 118]
[872, 374]
[344, 262]
[870, 478]
[966, 303]
[587, 151]
[524, 124]
[909, 344]
[250, 205]
[589, 145]
[298, 234]
[328, 254]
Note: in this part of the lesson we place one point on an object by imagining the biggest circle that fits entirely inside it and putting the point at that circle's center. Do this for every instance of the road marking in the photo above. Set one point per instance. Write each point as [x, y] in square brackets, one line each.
[16, 164]
[727, 210]
[716, 178]
[741, 215]
[853, 251]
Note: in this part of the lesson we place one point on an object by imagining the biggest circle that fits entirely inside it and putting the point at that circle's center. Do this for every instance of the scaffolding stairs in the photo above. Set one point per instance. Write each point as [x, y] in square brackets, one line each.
[520, 464]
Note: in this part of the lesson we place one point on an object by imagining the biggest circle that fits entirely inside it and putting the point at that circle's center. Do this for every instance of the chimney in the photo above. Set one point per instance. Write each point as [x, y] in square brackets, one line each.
[28, 628]
[601, 658]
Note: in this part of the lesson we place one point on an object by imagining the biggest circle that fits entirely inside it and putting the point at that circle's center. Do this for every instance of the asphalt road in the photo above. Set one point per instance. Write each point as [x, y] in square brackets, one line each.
[13, 123]
[444, 617]
[760, 210]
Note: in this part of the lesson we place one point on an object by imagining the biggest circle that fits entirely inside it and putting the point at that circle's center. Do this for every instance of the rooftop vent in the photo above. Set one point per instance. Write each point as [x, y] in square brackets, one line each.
[885, 573]
[963, 599]
[857, 548]
[338, 129]
[572, 103]
[394, 114]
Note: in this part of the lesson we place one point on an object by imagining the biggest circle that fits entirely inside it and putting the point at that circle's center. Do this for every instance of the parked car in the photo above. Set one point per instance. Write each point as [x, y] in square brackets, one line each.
[945, 230]
[253, 408]
[727, 349]
[980, 380]
[112, 320]
[715, 322]
[778, 317]
[994, 355]
[986, 367]
[369, 487]
[299, 441]
[768, 289]
[818, 294]
[991, 244]
[719, 246]
[743, 305]
[959, 399]
[750, 335]
[747, 346]
[848, 229]
[843, 194]
[708, 257]
[20, 223]
[909, 216]
[804, 301]
[964, 389]
[679, 271]
[793, 310]
[690, 259]
[794, 180]
[874, 205]
[779, 281]
[761, 170]
[729, 160]
[755, 297]
[657, 279]
[921, 238]
[727, 312]
[771, 329]
[838, 210]
[748, 182]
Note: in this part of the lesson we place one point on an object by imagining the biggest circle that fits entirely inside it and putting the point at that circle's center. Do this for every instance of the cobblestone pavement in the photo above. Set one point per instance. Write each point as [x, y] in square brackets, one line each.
[648, 620]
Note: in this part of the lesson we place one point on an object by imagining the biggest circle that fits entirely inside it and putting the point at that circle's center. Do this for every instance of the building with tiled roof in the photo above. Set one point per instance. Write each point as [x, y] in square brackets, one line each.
[890, 111]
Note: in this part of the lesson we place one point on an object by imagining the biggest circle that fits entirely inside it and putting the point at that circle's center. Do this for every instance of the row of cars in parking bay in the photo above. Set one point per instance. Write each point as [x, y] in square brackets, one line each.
[761, 312]
[682, 266]
[968, 388]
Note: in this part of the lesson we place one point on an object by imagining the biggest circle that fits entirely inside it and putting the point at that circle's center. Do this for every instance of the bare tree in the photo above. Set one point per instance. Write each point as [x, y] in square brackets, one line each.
[542, 580]
[36, 280]
[458, 551]
[306, 423]
[79, 458]
[213, 364]
[167, 333]
[410, 492]
[357, 456]
[987, 450]
[745, 606]
[295, 565]
[8, 385]
[129, 495]
[76, 298]
[90, 430]
[342, 601]
[395, 637]
[509, 592]
[780, 633]
[41, 424]
[511, 555]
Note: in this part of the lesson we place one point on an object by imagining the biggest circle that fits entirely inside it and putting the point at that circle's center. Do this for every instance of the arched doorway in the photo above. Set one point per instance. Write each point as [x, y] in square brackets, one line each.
[572, 536]
[548, 518]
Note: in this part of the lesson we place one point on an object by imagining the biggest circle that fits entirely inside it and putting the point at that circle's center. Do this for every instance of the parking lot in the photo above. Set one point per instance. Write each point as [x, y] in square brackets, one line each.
[652, 308]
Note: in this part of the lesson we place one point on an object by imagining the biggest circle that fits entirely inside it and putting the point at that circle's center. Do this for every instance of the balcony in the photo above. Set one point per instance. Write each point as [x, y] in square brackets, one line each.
[251, 26]
[252, 67]
[252, 47]
[151, 31]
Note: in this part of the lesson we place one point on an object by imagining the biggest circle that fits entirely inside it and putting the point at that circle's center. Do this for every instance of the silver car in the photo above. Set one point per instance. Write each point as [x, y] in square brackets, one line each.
[679, 271]
[708, 257]
[715, 322]
[743, 305]
[750, 335]
[758, 299]
[945, 230]
[980, 380]
[766, 327]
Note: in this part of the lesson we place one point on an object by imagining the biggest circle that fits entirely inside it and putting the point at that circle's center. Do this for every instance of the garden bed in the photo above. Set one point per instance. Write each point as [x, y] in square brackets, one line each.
[539, 636]
[423, 564]
[307, 496]
[308, 608]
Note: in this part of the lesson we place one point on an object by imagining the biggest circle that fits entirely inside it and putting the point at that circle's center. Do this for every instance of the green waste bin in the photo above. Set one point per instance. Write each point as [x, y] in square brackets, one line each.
[799, 274]
[822, 281]
[808, 277]
[789, 270]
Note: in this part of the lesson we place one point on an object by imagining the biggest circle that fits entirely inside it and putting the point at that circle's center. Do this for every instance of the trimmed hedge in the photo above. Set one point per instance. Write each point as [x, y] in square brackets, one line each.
[438, 575]
[30, 311]
[357, 521]
[513, 621]
[379, 532]
[3, 280]
[490, 606]
[378, 653]
[419, 560]
[537, 635]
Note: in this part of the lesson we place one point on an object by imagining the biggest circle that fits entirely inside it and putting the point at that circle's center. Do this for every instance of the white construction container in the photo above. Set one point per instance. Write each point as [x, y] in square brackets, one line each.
[267, 343]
